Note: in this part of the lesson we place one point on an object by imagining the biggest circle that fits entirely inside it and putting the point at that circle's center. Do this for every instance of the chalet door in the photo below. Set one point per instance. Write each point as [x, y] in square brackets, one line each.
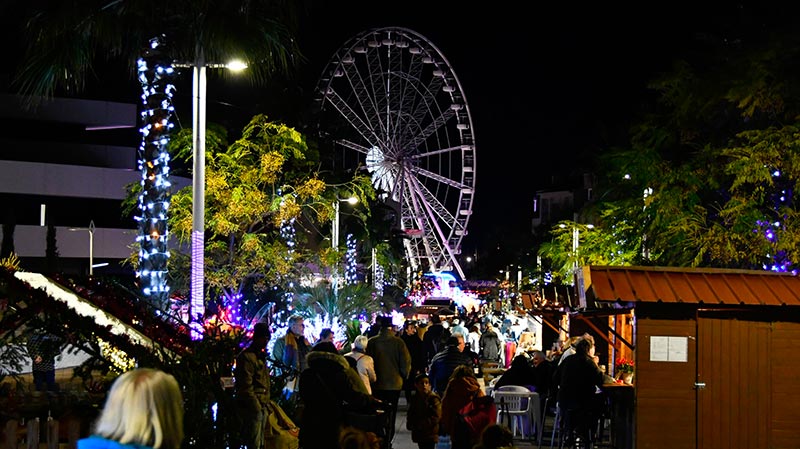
[733, 383]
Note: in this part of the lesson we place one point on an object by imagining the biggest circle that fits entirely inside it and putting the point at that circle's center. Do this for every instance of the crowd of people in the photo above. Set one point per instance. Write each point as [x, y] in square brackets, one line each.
[435, 364]
[350, 398]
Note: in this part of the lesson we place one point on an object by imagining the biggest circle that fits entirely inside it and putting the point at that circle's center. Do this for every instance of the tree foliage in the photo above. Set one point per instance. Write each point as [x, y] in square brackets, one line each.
[263, 179]
[67, 40]
[708, 175]
[349, 302]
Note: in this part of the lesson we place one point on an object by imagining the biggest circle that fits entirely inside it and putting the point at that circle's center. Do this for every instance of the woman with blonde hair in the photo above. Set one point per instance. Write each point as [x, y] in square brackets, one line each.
[144, 409]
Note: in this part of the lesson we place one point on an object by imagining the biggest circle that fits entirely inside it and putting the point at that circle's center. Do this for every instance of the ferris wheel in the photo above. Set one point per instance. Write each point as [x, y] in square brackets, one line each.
[394, 107]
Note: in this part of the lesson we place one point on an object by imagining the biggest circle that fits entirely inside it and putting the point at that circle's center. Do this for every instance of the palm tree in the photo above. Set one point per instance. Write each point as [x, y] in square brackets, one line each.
[350, 302]
[65, 40]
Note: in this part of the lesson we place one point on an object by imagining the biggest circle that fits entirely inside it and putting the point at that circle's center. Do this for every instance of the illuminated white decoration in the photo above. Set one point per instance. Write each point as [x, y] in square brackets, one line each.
[154, 72]
[350, 265]
[85, 308]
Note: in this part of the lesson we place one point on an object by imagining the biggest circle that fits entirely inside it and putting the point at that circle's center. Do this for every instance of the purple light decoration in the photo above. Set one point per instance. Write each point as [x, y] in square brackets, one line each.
[197, 307]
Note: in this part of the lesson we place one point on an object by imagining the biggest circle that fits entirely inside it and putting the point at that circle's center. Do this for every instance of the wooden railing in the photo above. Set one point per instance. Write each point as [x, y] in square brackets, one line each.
[38, 434]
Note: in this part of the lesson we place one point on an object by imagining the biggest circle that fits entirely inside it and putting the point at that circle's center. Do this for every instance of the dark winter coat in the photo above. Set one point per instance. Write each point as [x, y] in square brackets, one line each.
[443, 365]
[520, 373]
[577, 378]
[416, 349]
[434, 340]
[490, 346]
[424, 413]
[328, 388]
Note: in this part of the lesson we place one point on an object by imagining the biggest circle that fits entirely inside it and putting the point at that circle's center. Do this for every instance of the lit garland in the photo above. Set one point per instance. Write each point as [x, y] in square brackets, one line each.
[155, 72]
[782, 197]
[350, 266]
[379, 282]
[289, 236]
[118, 358]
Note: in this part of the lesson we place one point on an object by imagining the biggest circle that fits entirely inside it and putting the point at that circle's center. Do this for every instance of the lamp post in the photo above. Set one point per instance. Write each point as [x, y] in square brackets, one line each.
[335, 236]
[91, 229]
[197, 302]
[576, 243]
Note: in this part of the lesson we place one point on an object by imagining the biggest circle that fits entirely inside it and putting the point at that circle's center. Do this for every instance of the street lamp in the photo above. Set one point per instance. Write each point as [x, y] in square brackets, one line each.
[335, 230]
[197, 303]
[91, 229]
[335, 236]
[576, 242]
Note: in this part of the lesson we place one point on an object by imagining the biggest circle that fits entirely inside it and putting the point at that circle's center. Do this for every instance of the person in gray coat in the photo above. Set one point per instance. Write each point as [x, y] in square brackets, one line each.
[490, 345]
[392, 365]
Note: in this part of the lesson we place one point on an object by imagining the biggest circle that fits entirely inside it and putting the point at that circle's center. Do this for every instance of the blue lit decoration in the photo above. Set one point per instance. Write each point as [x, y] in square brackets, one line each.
[350, 266]
[155, 73]
[769, 229]
[289, 236]
[232, 312]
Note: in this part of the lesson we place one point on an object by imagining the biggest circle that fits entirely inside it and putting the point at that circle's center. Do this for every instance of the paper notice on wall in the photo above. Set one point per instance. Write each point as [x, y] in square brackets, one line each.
[659, 349]
[669, 349]
[678, 349]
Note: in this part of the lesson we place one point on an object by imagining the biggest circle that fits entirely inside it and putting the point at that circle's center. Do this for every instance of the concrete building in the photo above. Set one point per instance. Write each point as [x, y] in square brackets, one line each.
[67, 163]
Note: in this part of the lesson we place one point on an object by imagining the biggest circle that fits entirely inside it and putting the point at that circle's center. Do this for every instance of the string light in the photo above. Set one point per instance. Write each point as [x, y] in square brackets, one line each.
[350, 266]
[289, 236]
[155, 72]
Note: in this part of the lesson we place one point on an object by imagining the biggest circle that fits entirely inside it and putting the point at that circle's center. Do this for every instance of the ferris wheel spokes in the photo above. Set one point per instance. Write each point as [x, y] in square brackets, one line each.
[432, 219]
[434, 152]
[351, 116]
[353, 146]
[440, 178]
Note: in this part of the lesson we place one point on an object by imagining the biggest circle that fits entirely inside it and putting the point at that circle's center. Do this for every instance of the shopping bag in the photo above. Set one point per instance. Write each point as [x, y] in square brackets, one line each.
[281, 432]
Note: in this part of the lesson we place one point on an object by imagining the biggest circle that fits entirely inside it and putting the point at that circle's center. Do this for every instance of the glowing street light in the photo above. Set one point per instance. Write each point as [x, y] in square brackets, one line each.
[197, 302]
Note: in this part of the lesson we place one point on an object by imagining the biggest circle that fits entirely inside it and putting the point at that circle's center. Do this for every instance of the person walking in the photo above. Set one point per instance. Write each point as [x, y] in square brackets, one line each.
[364, 365]
[252, 388]
[392, 365]
[416, 348]
[424, 413]
[144, 410]
[446, 362]
[434, 337]
[329, 389]
[491, 345]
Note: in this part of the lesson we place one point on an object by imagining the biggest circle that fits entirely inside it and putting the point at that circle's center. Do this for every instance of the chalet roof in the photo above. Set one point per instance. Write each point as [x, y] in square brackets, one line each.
[691, 286]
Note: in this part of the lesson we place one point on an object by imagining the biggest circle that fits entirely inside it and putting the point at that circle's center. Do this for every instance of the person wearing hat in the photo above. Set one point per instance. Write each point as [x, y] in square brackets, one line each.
[252, 387]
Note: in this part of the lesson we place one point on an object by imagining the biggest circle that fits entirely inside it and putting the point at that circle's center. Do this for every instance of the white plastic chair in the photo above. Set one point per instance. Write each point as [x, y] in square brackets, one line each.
[516, 402]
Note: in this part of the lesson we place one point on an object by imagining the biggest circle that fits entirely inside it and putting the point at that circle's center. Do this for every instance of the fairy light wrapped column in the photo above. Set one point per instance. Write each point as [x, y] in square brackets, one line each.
[155, 74]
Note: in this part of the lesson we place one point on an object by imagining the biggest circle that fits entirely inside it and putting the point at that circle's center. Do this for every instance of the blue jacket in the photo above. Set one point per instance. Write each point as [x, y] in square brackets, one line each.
[98, 442]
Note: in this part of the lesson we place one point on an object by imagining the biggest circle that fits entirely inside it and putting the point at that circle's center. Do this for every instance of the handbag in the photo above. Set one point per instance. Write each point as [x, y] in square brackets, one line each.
[281, 432]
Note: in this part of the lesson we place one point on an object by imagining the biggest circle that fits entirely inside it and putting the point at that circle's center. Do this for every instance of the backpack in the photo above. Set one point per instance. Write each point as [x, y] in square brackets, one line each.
[477, 415]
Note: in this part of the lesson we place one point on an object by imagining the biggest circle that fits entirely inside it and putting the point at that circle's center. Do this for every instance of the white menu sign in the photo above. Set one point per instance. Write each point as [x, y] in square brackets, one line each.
[669, 349]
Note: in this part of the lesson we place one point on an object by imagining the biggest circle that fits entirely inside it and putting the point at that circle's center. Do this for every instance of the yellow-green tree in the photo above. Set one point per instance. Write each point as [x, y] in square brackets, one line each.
[264, 179]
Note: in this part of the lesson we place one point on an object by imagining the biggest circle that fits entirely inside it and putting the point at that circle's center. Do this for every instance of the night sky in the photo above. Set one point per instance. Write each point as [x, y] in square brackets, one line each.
[549, 87]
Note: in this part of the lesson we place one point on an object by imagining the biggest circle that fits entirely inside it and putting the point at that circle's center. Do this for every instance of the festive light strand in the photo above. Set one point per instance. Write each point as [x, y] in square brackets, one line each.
[155, 72]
